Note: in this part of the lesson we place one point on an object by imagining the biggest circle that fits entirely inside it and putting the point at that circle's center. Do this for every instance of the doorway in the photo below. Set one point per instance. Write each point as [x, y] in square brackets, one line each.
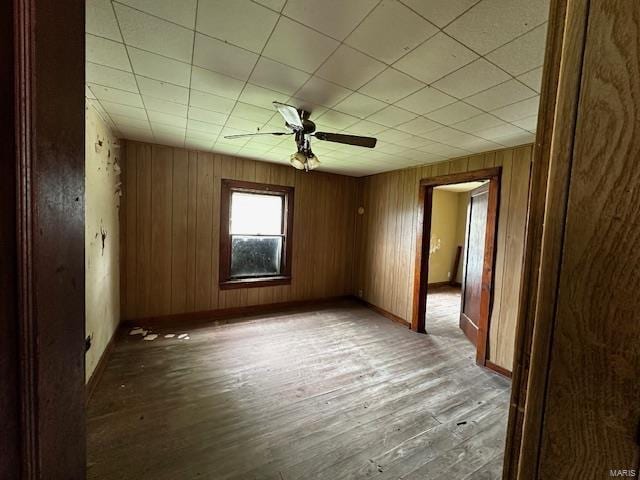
[466, 244]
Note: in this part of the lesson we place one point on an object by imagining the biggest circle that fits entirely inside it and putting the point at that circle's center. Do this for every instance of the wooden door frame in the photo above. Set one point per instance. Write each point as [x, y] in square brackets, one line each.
[42, 399]
[421, 273]
[544, 241]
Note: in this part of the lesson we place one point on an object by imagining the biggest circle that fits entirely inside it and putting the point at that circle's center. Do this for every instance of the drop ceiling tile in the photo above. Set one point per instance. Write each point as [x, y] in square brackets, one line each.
[106, 52]
[211, 102]
[477, 123]
[139, 134]
[453, 113]
[483, 146]
[322, 15]
[195, 143]
[226, 148]
[203, 127]
[207, 116]
[166, 119]
[500, 131]
[472, 78]
[350, 68]
[444, 150]
[391, 85]
[124, 110]
[100, 20]
[276, 76]
[492, 23]
[335, 120]
[393, 136]
[435, 58]
[390, 148]
[158, 67]
[215, 83]
[110, 77]
[415, 141]
[359, 105]
[532, 79]
[419, 126]
[522, 54]
[116, 96]
[298, 46]
[440, 12]
[518, 110]
[129, 122]
[367, 128]
[251, 126]
[501, 95]
[164, 106]
[222, 57]
[88, 93]
[449, 136]
[163, 90]
[392, 116]
[183, 12]
[528, 123]
[516, 140]
[239, 22]
[322, 92]
[426, 100]
[272, 4]
[390, 31]
[261, 97]
[252, 112]
[153, 34]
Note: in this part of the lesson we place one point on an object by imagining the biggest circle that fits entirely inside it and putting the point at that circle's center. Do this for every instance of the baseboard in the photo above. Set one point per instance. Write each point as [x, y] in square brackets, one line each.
[99, 370]
[438, 284]
[384, 313]
[221, 314]
[498, 369]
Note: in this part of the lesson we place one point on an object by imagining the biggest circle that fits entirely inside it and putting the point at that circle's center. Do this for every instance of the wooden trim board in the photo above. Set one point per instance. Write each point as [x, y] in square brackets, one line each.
[384, 313]
[100, 367]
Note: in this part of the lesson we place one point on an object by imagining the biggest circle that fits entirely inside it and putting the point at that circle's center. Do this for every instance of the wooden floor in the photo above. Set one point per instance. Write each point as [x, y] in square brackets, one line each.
[332, 393]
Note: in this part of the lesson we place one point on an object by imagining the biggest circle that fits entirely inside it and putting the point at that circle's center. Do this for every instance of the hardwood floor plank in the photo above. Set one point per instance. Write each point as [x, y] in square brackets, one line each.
[334, 393]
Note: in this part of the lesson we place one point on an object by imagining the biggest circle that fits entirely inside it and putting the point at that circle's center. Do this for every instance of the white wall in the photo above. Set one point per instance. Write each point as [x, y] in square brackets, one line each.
[102, 236]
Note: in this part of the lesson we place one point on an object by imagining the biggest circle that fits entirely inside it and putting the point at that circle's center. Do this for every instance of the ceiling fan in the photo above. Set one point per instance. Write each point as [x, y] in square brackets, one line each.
[297, 120]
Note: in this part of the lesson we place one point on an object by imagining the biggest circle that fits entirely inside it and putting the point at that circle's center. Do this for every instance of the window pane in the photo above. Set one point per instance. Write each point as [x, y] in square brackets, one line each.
[255, 256]
[255, 214]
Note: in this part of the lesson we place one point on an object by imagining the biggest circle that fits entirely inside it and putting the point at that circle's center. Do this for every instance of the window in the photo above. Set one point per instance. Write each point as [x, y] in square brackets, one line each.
[255, 234]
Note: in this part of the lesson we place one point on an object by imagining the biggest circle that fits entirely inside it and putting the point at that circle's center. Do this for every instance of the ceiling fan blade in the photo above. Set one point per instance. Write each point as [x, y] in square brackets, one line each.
[290, 114]
[356, 140]
[259, 133]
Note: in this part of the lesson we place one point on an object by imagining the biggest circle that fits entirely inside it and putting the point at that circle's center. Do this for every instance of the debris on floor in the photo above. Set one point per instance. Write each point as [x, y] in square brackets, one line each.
[138, 331]
[150, 337]
[170, 335]
[182, 335]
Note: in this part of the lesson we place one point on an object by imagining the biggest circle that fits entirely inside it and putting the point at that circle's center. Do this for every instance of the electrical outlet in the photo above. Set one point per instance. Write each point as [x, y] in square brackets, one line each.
[449, 275]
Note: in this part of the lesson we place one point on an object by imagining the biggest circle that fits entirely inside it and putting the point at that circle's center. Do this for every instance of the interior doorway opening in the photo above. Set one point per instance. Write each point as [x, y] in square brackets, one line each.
[456, 251]
[456, 256]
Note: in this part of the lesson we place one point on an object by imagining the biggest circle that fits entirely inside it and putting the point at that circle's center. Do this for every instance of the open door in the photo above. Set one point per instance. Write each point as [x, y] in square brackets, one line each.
[476, 232]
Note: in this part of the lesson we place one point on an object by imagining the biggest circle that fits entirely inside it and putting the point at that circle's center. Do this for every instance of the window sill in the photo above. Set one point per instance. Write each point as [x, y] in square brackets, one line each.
[254, 282]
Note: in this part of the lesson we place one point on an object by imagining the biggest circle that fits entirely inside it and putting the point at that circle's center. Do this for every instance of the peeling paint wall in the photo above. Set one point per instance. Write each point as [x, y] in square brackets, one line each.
[102, 236]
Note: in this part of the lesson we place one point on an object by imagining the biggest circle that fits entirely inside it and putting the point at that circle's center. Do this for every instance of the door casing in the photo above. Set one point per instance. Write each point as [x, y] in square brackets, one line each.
[421, 275]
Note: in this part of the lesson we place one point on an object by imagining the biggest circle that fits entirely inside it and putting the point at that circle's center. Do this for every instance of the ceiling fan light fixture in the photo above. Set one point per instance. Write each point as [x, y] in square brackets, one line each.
[298, 160]
[313, 162]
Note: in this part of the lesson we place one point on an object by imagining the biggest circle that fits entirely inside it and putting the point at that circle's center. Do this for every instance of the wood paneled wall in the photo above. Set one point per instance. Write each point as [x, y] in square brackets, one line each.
[386, 239]
[170, 217]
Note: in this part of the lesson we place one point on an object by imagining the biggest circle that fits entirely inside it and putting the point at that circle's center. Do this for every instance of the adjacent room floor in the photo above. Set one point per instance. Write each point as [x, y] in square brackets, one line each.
[332, 393]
